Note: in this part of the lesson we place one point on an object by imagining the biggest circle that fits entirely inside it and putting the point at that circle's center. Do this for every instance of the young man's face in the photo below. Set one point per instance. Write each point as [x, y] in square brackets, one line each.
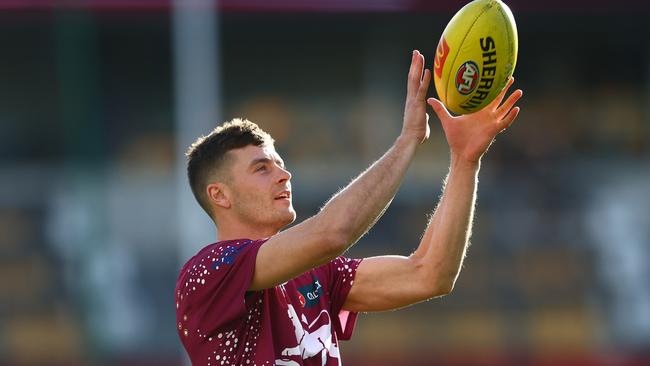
[260, 187]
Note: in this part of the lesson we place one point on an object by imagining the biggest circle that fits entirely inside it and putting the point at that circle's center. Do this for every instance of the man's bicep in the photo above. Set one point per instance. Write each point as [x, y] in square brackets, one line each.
[292, 253]
[385, 283]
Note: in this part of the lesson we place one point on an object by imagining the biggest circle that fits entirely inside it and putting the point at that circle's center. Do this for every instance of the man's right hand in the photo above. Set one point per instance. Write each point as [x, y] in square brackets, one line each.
[470, 135]
[416, 119]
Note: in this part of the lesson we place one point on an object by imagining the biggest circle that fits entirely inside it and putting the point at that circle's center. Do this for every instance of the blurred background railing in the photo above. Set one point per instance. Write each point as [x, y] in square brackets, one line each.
[91, 214]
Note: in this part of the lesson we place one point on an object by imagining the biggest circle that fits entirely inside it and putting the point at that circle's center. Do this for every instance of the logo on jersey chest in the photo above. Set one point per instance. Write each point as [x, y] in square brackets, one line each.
[309, 294]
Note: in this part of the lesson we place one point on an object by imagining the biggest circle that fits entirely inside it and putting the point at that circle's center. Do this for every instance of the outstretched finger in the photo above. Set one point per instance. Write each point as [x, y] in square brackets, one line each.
[439, 109]
[497, 101]
[509, 103]
[424, 85]
[415, 74]
[509, 118]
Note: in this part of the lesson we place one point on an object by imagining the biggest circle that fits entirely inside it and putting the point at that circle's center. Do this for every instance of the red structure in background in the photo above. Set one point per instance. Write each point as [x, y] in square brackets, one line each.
[337, 6]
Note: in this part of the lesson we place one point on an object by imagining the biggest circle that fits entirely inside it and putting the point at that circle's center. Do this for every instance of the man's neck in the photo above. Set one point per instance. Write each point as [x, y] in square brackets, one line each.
[234, 231]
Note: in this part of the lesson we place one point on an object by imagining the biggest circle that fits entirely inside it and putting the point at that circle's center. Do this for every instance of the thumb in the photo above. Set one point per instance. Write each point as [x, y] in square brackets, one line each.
[439, 109]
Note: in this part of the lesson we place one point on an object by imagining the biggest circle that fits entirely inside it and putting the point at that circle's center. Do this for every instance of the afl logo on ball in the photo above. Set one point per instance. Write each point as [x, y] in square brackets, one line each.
[467, 78]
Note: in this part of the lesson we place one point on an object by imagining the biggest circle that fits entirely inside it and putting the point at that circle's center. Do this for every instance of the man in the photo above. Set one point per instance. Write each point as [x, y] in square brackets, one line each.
[261, 296]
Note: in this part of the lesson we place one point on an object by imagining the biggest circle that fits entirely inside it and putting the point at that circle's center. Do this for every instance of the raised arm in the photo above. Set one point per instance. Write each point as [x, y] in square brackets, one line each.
[352, 211]
[390, 282]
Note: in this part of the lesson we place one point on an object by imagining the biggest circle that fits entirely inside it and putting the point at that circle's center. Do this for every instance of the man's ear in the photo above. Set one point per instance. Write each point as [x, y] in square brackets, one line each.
[218, 194]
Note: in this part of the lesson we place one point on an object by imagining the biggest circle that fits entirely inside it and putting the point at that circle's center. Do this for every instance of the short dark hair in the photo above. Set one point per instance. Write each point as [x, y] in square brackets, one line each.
[208, 153]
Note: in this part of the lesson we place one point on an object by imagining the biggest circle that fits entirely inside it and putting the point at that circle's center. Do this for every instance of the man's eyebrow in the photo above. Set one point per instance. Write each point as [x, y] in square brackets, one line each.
[266, 160]
[260, 160]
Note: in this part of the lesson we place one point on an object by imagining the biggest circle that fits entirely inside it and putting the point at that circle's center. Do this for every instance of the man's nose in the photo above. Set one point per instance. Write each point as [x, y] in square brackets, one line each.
[285, 175]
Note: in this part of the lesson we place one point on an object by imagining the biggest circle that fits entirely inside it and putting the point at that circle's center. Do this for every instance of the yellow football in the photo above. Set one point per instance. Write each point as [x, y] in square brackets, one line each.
[476, 56]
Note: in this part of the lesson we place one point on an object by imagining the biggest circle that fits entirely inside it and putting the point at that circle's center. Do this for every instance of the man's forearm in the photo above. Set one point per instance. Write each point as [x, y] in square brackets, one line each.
[354, 209]
[445, 240]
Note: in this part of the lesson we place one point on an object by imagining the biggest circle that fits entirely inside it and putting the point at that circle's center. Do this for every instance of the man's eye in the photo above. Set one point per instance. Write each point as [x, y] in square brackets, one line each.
[260, 168]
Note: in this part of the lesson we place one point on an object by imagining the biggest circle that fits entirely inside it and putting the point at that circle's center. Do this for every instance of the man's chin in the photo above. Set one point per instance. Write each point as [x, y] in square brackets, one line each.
[288, 217]
[291, 216]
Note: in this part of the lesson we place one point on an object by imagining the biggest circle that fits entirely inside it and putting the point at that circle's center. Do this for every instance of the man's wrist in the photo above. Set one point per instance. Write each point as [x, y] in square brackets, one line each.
[407, 141]
[460, 162]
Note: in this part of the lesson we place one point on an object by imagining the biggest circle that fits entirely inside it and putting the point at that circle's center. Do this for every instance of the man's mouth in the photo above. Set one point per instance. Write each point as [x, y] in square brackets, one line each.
[283, 195]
